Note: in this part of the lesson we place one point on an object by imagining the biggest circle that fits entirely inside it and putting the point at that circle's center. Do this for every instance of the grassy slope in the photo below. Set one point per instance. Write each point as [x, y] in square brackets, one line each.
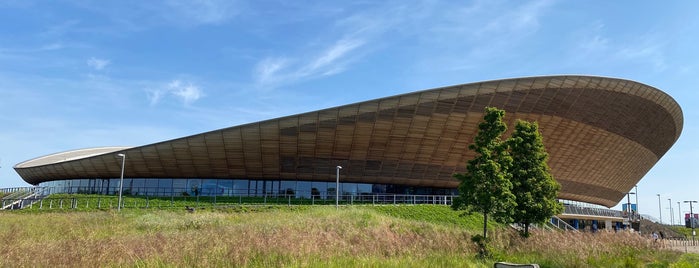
[301, 236]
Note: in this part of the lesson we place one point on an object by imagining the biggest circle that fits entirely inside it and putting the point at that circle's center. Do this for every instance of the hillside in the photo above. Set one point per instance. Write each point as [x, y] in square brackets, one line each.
[300, 236]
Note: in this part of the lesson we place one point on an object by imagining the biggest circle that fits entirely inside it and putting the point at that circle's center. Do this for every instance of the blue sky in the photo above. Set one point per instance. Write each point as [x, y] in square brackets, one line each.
[76, 74]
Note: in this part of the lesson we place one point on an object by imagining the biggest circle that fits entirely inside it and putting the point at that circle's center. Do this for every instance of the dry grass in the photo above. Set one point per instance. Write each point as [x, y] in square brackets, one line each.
[301, 237]
[601, 249]
[275, 238]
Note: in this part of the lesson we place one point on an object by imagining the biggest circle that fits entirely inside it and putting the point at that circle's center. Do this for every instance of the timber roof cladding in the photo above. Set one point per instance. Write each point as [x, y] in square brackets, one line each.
[602, 134]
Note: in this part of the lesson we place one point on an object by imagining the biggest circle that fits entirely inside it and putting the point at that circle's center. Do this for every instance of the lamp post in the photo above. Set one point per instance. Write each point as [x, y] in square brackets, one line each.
[660, 210]
[628, 205]
[672, 214]
[121, 181]
[679, 213]
[691, 218]
[636, 190]
[337, 188]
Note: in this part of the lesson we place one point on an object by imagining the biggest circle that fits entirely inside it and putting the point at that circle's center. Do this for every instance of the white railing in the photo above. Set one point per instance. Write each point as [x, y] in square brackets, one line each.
[35, 199]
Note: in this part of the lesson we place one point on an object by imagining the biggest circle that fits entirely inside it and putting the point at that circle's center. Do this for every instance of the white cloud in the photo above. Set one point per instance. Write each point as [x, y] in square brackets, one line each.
[332, 55]
[267, 69]
[271, 72]
[203, 11]
[97, 64]
[645, 48]
[188, 93]
[185, 92]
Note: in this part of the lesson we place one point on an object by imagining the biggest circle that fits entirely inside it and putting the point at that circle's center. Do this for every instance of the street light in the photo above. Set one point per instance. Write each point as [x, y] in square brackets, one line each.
[628, 205]
[679, 213]
[337, 188]
[637, 213]
[660, 210]
[121, 181]
[672, 215]
[691, 218]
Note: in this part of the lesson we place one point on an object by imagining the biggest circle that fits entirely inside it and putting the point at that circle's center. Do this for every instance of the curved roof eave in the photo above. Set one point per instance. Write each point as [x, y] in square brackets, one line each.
[70, 155]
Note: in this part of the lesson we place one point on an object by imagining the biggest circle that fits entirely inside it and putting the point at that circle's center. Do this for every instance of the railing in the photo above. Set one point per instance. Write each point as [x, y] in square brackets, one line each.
[688, 244]
[20, 196]
[594, 211]
[110, 202]
[561, 224]
[15, 189]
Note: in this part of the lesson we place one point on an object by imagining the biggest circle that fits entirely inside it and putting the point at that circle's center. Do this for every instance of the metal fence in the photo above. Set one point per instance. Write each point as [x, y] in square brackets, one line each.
[111, 202]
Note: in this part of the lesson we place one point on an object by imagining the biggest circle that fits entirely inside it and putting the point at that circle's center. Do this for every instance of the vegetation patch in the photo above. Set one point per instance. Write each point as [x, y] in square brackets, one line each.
[304, 236]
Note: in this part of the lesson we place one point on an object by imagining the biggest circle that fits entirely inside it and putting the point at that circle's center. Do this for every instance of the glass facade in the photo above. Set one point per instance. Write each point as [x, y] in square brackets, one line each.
[232, 187]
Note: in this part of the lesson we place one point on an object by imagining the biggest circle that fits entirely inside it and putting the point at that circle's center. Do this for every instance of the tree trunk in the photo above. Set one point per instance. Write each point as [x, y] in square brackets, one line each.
[485, 225]
[526, 229]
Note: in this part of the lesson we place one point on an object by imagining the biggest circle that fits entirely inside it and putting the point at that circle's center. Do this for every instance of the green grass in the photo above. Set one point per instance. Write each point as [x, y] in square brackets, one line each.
[302, 236]
[88, 202]
[437, 214]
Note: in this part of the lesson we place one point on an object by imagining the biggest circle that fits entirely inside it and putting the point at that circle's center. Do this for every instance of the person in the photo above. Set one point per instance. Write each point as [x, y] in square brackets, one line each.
[655, 237]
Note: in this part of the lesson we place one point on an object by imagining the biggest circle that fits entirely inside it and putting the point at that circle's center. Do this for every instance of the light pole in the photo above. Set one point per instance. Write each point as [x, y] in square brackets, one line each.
[337, 188]
[628, 205]
[660, 210]
[691, 218]
[639, 215]
[679, 213]
[672, 214]
[121, 181]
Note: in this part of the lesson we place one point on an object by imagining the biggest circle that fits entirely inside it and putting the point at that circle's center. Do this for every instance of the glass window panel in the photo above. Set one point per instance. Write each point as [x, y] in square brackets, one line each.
[133, 186]
[271, 187]
[288, 188]
[251, 188]
[150, 186]
[240, 187]
[303, 189]
[210, 187]
[179, 187]
[348, 188]
[363, 188]
[320, 189]
[164, 187]
[114, 186]
[260, 188]
[332, 191]
[226, 187]
[194, 187]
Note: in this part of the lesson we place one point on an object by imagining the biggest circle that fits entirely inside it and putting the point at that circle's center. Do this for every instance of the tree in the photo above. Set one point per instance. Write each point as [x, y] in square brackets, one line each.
[485, 186]
[533, 185]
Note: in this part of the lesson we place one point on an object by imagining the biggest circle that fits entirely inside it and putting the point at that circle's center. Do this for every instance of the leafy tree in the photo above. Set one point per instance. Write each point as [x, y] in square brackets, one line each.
[534, 188]
[485, 186]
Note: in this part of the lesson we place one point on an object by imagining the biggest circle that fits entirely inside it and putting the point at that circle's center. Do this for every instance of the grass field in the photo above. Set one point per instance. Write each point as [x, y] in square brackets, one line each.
[302, 236]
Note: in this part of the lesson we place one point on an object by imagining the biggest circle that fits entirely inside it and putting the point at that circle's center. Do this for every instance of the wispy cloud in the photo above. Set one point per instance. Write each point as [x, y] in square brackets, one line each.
[487, 20]
[266, 71]
[350, 37]
[594, 46]
[184, 91]
[97, 64]
[272, 72]
[647, 49]
[204, 11]
[325, 61]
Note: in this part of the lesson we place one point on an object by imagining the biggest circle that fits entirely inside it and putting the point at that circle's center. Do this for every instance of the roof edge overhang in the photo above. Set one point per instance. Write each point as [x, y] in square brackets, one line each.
[70, 155]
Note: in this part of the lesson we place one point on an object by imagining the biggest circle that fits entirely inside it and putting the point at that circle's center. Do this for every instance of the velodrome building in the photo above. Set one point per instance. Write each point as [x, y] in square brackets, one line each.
[602, 134]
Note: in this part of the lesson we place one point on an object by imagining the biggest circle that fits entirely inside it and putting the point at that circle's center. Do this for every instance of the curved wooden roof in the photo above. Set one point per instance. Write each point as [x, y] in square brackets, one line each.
[603, 135]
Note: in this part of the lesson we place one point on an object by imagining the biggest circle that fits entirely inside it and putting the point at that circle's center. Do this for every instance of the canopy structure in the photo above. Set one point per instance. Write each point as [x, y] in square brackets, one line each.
[602, 134]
